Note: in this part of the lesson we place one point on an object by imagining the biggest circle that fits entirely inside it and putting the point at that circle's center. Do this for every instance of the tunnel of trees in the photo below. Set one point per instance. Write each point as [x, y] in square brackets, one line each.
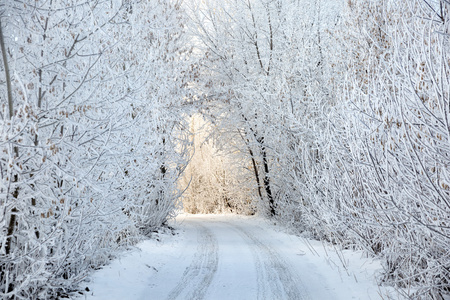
[329, 116]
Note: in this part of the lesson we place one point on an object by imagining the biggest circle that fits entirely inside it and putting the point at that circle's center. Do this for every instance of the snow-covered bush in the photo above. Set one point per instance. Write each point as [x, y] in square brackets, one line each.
[397, 95]
[87, 160]
[339, 112]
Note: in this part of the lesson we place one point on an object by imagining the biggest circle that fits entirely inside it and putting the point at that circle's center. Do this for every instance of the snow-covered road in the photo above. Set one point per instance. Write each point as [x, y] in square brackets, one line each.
[232, 257]
[232, 261]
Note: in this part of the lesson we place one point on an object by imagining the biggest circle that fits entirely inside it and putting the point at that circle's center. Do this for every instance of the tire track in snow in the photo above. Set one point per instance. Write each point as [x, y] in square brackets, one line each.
[274, 278]
[198, 276]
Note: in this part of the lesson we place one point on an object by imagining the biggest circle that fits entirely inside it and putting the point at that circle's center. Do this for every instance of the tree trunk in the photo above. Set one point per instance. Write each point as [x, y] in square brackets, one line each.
[163, 170]
[12, 220]
[255, 169]
[267, 178]
[7, 75]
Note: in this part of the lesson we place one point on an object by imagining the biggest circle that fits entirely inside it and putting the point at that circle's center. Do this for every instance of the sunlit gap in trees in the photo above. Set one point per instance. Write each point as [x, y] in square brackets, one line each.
[213, 175]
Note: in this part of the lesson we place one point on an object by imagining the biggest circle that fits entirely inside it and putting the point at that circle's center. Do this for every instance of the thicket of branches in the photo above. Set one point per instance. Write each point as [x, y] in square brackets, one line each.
[332, 117]
[92, 134]
[339, 115]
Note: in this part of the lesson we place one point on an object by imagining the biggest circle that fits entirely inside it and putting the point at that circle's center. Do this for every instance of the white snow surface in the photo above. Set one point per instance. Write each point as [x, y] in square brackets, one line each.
[235, 257]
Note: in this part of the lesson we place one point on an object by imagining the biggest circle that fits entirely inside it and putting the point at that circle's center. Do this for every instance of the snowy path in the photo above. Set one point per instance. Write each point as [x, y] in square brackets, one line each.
[198, 276]
[231, 257]
[248, 266]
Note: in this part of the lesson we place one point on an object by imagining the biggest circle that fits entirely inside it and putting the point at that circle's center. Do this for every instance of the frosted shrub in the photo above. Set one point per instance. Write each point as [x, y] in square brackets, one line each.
[87, 161]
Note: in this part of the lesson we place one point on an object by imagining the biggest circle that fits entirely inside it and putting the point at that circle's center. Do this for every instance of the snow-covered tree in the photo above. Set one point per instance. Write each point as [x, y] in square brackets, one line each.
[88, 160]
[216, 180]
[339, 112]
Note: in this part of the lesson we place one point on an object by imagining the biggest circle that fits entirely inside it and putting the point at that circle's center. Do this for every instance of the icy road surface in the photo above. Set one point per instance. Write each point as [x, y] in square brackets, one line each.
[231, 257]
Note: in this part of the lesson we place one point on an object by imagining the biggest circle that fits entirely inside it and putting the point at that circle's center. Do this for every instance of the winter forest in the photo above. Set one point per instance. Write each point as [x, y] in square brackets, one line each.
[331, 117]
